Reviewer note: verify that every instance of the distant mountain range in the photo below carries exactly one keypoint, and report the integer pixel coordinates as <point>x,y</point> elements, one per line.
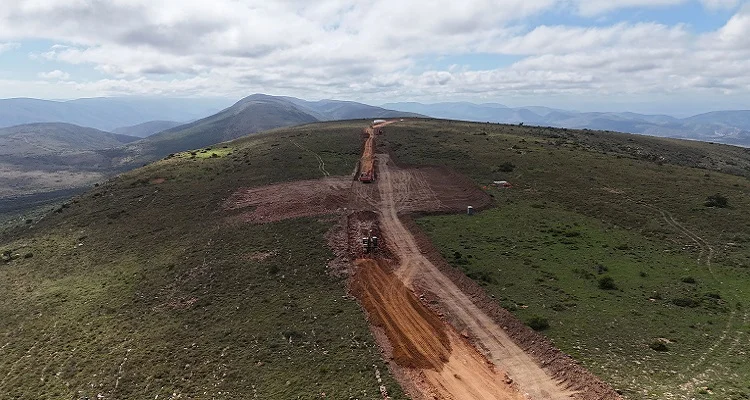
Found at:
<point>56,138</point>
<point>255,113</point>
<point>43,157</point>
<point>729,127</point>
<point>146,129</point>
<point>106,114</point>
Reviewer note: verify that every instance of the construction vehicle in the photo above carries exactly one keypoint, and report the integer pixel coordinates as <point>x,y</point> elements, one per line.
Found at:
<point>369,242</point>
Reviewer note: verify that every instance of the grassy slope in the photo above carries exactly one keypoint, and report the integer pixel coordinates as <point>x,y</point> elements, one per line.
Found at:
<point>138,289</point>
<point>573,217</point>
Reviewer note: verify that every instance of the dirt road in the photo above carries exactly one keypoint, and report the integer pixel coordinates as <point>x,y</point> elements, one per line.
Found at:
<point>455,348</point>
<point>415,270</point>
<point>450,367</point>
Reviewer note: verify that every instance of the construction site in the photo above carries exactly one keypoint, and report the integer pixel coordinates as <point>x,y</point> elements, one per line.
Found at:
<point>442,336</point>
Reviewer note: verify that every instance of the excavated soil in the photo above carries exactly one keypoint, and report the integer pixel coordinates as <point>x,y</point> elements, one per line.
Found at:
<point>449,366</point>
<point>495,356</point>
<point>418,337</point>
<point>583,384</point>
<point>423,190</point>
<point>291,200</point>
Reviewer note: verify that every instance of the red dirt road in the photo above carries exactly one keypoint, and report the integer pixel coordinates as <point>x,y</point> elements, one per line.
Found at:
<point>450,367</point>
<point>414,268</point>
<point>430,358</point>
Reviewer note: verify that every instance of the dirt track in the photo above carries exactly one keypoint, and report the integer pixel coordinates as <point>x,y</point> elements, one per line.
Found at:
<point>430,358</point>
<point>451,368</point>
<point>416,271</point>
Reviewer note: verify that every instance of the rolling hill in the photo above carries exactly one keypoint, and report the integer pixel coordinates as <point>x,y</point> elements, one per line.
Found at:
<point>56,138</point>
<point>255,113</point>
<point>604,242</point>
<point>146,129</point>
<point>729,127</point>
<point>48,161</point>
<point>60,166</point>
<point>336,110</point>
<point>106,113</point>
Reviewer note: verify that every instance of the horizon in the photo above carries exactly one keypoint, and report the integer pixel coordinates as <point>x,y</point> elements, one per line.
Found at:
<point>673,57</point>
<point>231,101</point>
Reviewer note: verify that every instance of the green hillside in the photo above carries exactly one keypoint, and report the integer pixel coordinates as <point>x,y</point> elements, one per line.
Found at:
<point>589,206</point>
<point>145,286</point>
<point>139,288</point>
<point>56,138</point>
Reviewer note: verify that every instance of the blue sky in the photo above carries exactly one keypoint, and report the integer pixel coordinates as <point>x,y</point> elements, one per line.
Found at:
<point>663,56</point>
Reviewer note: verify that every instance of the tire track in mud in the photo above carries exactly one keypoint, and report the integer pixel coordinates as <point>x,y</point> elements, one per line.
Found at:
<point>497,346</point>
<point>695,375</point>
<point>321,163</point>
<point>450,367</point>
<point>483,361</point>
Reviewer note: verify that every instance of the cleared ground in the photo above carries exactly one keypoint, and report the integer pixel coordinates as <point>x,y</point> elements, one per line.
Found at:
<point>417,271</point>
<point>587,206</point>
<point>261,308</point>
<point>437,360</point>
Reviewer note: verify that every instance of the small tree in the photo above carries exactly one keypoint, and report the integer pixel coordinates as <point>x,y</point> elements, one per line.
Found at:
<point>717,200</point>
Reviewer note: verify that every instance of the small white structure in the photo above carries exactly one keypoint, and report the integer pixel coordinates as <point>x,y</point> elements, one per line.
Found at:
<point>378,121</point>
<point>469,210</point>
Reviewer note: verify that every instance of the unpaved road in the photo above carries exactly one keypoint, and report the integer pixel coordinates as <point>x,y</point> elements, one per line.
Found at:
<point>429,356</point>
<point>450,367</point>
<point>413,267</point>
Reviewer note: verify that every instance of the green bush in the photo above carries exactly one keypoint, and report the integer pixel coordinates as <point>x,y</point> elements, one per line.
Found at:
<point>685,302</point>
<point>538,323</point>
<point>658,345</point>
<point>607,283</point>
<point>505,167</point>
<point>717,200</point>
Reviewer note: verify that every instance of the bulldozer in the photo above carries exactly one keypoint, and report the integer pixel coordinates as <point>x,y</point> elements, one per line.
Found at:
<point>369,242</point>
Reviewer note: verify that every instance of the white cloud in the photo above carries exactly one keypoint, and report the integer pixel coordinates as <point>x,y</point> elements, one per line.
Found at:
<point>8,46</point>
<point>597,7</point>
<point>54,75</point>
<point>369,50</point>
<point>720,4</point>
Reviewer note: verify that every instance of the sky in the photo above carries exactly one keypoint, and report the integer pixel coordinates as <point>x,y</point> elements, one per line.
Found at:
<point>677,57</point>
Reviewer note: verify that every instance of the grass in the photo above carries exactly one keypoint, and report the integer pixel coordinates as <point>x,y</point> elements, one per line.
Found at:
<point>580,240</point>
<point>607,292</point>
<point>142,288</point>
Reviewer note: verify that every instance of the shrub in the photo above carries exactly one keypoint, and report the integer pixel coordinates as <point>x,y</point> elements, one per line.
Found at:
<point>607,283</point>
<point>717,200</point>
<point>538,323</point>
<point>658,345</point>
<point>685,302</point>
<point>688,279</point>
<point>505,167</point>
<point>482,276</point>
